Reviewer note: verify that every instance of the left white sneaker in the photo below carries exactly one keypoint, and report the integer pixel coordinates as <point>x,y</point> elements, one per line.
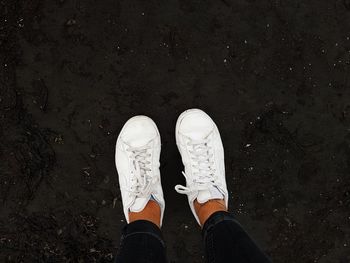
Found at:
<point>137,161</point>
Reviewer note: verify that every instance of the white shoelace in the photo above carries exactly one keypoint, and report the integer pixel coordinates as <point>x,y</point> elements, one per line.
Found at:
<point>203,172</point>
<point>141,181</point>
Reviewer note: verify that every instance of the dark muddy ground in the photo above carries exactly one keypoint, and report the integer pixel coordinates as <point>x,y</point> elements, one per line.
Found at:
<point>273,74</point>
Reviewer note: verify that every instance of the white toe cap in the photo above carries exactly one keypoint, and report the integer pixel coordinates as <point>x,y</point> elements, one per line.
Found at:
<point>138,131</point>
<point>195,124</point>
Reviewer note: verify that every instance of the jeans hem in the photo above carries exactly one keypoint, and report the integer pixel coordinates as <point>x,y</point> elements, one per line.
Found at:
<point>143,227</point>
<point>216,218</point>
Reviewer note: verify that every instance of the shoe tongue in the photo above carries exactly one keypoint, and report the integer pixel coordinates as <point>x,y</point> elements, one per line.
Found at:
<point>206,195</point>
<point>203,196</point>
<point>139,204</point>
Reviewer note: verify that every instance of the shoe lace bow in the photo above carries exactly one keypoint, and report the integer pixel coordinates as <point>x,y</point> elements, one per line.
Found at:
<point>203,170</point>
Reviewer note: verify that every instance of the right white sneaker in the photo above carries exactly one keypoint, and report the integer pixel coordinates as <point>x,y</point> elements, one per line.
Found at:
<point>199,143</point>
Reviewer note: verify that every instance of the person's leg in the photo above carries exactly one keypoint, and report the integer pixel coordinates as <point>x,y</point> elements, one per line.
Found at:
<point>137,162</point>
<point>142,239</point>
<point>202,153</point>
<point>226,241</point>
<point>224,238</point>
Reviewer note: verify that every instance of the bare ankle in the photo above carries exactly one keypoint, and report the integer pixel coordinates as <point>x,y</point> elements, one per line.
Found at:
<point>205,210</point>
<point>151,213</point>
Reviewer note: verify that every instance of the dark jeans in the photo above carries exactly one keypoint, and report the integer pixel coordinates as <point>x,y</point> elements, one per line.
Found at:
<point>224,239</point>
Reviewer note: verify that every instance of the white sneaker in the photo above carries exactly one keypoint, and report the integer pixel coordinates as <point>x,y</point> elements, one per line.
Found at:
<point>199,142</point>
<point>137,161</point>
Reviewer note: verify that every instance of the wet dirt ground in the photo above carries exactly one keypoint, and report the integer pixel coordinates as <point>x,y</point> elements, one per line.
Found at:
<point>274,75</point>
